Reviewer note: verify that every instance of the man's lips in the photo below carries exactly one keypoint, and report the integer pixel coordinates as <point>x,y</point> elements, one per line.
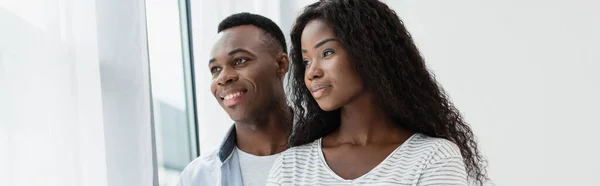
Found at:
<point>232,96</point>
<point>232,93</point>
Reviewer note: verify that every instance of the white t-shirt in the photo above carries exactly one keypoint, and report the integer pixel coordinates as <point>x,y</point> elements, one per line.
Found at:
<point>420,160</point>
<point>255,169</point>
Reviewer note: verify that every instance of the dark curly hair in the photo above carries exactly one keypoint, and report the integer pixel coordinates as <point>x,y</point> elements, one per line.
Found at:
<point>386,58</point>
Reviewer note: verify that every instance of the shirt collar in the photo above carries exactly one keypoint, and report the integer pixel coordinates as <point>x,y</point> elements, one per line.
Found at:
<point>228,144</point>
<point>230,141</point>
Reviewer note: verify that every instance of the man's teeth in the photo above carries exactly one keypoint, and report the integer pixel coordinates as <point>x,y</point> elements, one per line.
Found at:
<point>233,95</point>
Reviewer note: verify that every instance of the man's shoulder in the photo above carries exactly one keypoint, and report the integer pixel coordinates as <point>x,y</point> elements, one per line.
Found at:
<point>200,169</point>
<point>204,161</point>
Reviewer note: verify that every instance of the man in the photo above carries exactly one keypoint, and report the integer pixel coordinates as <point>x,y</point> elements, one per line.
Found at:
<point>248,62</point>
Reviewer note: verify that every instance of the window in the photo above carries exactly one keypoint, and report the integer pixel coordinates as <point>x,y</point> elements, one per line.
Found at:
<point>172,91</point>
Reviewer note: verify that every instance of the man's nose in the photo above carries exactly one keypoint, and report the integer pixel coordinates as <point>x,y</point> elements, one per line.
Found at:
<point>227,77</point>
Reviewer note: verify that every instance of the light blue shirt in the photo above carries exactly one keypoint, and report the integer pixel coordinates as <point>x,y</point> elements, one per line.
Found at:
<point>221,167</point>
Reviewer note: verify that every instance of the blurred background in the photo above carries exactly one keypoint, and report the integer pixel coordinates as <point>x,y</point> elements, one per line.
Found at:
<point>116,92</point>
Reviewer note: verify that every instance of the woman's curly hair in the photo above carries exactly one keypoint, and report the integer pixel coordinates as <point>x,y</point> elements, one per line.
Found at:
<point>392,69</point>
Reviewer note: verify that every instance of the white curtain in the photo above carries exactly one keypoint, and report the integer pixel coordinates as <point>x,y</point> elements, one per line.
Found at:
<point>51,119</point>
<point>74,108</point>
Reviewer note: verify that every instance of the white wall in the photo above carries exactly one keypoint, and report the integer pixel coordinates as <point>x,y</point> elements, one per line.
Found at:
<point>525,76</point>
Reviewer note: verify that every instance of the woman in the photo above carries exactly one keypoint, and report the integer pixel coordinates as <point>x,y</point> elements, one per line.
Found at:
<point>368,111</point>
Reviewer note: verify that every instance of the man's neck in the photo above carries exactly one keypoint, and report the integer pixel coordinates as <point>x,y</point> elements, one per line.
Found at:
<point>265,135</point>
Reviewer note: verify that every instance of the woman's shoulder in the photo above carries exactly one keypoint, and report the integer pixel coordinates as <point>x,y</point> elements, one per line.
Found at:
<point>290,158</point>
<point>303,150</point>
<point>440,147</point>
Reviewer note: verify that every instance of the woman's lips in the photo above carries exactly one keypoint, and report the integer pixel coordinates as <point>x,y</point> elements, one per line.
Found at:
<point>319,90</point>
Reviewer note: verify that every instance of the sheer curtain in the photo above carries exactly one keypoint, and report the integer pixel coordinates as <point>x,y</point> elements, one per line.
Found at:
<point>74,94</point>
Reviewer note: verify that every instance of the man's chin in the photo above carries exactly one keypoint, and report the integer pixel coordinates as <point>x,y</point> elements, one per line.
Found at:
<point>238,115</point>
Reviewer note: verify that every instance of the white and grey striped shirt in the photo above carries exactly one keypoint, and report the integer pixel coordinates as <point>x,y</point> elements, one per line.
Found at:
<point>420,160</point>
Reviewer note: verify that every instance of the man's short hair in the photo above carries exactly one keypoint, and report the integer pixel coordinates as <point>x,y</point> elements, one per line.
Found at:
<point>270,28</point>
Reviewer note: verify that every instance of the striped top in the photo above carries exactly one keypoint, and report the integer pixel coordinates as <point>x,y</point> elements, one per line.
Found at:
<point>420,160</point>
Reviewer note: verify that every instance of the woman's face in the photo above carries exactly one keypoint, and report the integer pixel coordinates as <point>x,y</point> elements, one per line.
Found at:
<point>329,75</point>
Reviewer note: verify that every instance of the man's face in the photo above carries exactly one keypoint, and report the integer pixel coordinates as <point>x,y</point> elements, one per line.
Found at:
<point>246,74</point>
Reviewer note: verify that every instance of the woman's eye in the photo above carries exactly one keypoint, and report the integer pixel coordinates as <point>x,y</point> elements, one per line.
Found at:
<point>306,62</point>
<point>327,53</point>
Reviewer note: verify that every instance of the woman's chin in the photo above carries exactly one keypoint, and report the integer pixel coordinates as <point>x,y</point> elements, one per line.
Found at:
<point>327,107</point>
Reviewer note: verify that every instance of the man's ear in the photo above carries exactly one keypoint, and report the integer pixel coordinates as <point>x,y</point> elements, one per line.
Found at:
<point>283,64</point>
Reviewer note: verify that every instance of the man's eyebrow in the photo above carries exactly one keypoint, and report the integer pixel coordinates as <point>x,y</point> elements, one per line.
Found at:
<point>234,51</point>
<point>238,50</point>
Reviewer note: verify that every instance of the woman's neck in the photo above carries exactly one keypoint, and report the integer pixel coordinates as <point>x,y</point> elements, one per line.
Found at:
<point>363,122</point>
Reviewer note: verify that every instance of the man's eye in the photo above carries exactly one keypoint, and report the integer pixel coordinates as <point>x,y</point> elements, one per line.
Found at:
<point>215,69</point>
<point>240,61</point>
